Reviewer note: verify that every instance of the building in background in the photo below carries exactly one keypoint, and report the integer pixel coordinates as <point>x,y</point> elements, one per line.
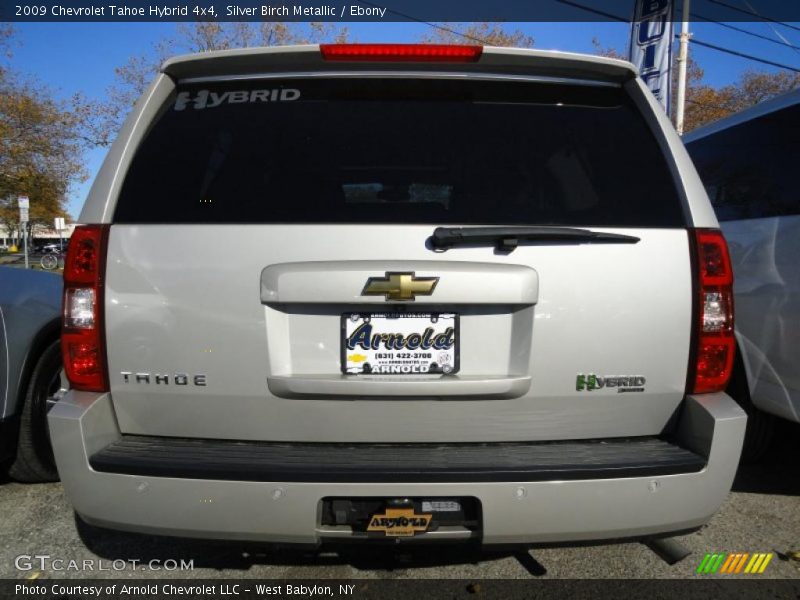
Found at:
<point>41,236</point>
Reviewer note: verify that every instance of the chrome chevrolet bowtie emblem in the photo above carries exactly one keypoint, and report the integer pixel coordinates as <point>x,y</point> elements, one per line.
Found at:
<point>400,286</point>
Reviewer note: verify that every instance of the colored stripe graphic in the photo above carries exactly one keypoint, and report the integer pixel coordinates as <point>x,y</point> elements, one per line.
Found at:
<point>703,563</point>
<point>711,562</point>
<point>718,564</point>
<point>754,563</point>
<point>759,563</point>
<point>728,564</point>
<point>740,563</point>
<point>721,562</point>
<point>765,563</point>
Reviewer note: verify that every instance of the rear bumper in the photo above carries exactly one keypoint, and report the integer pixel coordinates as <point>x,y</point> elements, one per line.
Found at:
<point>515,510</point>
<point>394,463</point>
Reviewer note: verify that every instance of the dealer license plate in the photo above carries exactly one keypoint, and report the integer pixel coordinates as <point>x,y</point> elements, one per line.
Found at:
<point>399,343</point>
<point>399,522</point>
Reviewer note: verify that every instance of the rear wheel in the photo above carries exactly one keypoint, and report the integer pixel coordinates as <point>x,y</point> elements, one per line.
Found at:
<point>760,425</point>
<point>34,459</point>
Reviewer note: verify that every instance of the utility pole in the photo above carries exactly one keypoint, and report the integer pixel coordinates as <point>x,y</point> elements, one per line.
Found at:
<point>683,58</point>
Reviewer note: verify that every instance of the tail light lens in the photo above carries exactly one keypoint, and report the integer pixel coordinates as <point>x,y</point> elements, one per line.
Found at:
<point>82,345</point>
<point>715,340</point>
<point>401,52</point>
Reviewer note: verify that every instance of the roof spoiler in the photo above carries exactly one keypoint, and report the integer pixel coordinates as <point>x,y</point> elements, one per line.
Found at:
<point>252,62</point>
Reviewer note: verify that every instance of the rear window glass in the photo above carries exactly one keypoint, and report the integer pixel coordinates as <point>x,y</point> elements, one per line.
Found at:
<point>400,151</point>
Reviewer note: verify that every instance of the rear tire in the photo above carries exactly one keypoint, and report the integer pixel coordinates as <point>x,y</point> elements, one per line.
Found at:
<point>760,425</point>
<point>34,460</point>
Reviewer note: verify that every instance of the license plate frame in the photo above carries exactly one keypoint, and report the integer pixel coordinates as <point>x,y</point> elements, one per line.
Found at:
<point>404,356</point>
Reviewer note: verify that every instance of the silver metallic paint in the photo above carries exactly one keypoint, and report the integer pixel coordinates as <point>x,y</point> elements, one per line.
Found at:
<point>172,298</point>
<point>766,288</point>
<point>551,511</point>
<point>29,302</point>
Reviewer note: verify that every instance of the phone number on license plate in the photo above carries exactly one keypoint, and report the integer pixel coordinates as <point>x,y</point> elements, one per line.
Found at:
<point>399,343</point>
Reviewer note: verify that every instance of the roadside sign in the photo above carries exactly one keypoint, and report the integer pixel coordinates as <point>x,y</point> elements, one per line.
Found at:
<point>24,205</point>
<point>60,227</point>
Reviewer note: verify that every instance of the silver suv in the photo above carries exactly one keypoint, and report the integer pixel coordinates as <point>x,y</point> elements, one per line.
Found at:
<point>408,292</point>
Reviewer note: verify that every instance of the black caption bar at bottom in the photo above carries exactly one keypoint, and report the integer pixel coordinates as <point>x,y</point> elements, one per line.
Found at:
<point>252,589</point>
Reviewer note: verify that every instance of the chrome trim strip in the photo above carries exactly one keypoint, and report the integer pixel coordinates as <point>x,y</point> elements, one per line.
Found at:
<point>402,75</point>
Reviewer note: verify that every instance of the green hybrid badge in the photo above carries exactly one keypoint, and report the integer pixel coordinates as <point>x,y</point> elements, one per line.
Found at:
<point>627,383</point>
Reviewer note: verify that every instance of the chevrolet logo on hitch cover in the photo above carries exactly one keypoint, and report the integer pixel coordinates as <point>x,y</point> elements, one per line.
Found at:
<point>400,286</point>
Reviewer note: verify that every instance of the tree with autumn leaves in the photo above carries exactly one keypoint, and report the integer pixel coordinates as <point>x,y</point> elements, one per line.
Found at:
<point>43,140</point>
<point>706,104</point>
<point>41,148</point>
<point>703,102</point>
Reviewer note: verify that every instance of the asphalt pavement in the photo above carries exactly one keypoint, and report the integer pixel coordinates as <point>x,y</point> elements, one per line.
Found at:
<point>762,514</point>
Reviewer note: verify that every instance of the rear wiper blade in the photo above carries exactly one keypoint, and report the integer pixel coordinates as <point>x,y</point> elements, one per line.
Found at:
<point>508,238</point>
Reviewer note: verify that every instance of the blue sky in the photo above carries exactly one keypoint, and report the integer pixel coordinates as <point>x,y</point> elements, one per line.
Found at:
<point>71,57</point>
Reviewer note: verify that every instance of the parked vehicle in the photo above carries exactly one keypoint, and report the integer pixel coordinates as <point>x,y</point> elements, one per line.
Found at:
<point>747,163</point>
<point>467,293</point>
<point>42,248</point>
<point>30,370</point>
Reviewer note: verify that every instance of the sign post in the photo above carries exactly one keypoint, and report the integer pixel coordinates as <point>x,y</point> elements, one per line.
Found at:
<point>683,58</point>
<point>24,205</point>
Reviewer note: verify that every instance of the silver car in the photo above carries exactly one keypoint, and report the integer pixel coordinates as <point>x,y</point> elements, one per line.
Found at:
<point>30,370</point>
<point>398,292</point>
<point>748,163</point>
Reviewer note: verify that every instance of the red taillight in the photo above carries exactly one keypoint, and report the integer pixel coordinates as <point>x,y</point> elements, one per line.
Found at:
<point>401,52</point>
<point>82,346</point>
<point>715,340</point>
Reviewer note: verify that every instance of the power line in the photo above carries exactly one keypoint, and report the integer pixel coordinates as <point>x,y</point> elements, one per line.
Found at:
<point>745,31</point>
<point>696,41</point>
<point>775,31</point>
<point>739,29</point>
<point>743,55</point>
<point>429,24</point>
<point>594,11</point>
<point>753,14</point>
<point>466,36</point>
<point>618,18</point>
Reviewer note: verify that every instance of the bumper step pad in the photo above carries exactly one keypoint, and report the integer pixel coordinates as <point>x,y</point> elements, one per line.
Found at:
<point>379,463</point>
